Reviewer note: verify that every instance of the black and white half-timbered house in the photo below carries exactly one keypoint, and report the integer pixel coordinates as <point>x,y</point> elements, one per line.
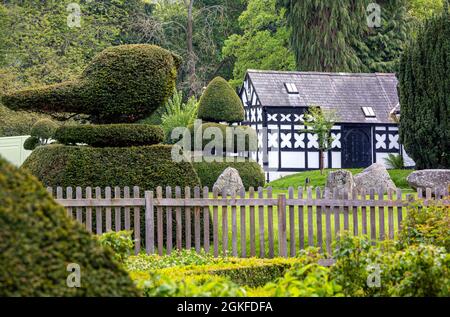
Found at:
<point>364,104</point>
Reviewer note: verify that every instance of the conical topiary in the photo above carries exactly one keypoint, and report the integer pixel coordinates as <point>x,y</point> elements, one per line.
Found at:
<point>220,103</point>
<point>38,241</point>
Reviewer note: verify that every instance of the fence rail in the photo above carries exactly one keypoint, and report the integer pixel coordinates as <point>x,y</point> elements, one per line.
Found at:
<point>247,224</point>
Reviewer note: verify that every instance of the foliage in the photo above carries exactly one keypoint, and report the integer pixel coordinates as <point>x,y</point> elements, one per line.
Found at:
<point>186,265</point>
<point>121,243</point>
<point>15,123</point>
<point>191,286</point>
<point>317,179</point>
<point>263,43</point>
<point>44,130</point>
<point>250,172</point>
<point>428,225</point>
<point>57,165</point>
<point>216,138</point>
<point>425,95</point>
<point>334,36</point>
<point>310,280</point>
<point>177,114</point>
<point>113,88</point>
<point>43,49</point>
<point>38,241</point>
<point>220,103</point>
<point>415,270</point>
<point>395,161</point>
<point>213,21</point>
<point>110,135</point>
<point>31,143</point>
<point>144,262</point>
<point>320,122</point>
<point>421,10</point>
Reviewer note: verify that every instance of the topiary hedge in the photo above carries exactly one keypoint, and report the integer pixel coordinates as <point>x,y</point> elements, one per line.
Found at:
<point>239,132</point>
<point>220,103</point>
<point>145,166</point>
<point>38,241</point>
<point>123,83</point>
<point>251,172</point>
<point>113,135</point>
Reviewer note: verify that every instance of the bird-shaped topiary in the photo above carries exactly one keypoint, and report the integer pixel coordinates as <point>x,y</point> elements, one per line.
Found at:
<point>123,83</point>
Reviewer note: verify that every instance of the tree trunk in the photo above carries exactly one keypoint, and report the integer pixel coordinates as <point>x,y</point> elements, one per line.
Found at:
<point>190,48</point>
<point>321,161</point>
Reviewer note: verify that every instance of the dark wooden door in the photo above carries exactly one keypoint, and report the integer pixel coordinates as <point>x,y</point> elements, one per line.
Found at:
<point>356,147</point>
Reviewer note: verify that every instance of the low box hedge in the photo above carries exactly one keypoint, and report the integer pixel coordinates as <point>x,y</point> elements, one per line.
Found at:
<point>251,172</point>
<point>110,135</point>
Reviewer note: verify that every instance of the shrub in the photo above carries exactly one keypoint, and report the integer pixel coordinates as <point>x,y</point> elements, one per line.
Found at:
<point>395,161</point>
<point>44,129</point>
<point>110,135</point>
<point>192,286</point>
<point>38,241</point>
<point>15,123</point>
<point>425,94</point>
<point>417,270</point>
<point>123,83</point>
<point>429,225</point>
<point>239,133</point>
<point>145,166</point>
<point>249,272</point>
<point>220,103</point>
<point>121,243</point>
<point>310,280</point>
<point>177,114</point>
<point>251,172</point>
<point>31,143</point>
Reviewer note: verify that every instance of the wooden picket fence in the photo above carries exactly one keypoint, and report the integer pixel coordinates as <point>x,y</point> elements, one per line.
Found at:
<point>256,223</point>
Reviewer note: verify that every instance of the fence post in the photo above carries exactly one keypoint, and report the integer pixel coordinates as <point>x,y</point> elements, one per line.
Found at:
<point>282,237</point>
<point>149,223</point>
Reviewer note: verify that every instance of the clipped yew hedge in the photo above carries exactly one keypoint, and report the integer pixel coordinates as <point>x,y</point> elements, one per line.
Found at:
<point>110,135</point>
<point>38,241</point>
<point>123,83</point>
<point>220,103</point>
<point>251,172</point>
<point>209,130</point>
<point>145,166</point>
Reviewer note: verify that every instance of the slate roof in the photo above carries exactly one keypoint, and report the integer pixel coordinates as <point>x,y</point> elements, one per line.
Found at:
<point>344,92</point>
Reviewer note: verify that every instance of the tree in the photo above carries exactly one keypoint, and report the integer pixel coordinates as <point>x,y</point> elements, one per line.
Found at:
<point>194,29</point>
<point>334,36</point>
<point>264,43</point>
<point>320,122</point>
<point>425,94</point>
<point>47,49</point>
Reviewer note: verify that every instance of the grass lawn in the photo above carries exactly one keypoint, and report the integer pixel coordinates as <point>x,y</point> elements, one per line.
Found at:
<point>316,179</point>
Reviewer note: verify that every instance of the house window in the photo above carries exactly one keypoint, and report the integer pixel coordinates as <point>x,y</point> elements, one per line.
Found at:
<point>368,112</point>
<point>291,88</point>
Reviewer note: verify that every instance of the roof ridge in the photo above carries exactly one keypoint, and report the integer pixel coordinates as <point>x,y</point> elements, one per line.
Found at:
<point>320,73</point>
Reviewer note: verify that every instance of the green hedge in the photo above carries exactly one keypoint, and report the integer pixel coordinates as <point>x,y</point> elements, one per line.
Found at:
<point>38,241</point>
<point>145,166</point>
<point>15,123</point>
<point>112,135</point>
<point>123,83</point>
<point>220,103</point>
<point>251,172</point>
<point>239,132</point>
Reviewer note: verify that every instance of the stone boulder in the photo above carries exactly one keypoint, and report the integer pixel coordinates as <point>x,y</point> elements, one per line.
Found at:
<point>430,179</point>
<point>375,176</point>
<point>340,180</point>
<point>229,180</point>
